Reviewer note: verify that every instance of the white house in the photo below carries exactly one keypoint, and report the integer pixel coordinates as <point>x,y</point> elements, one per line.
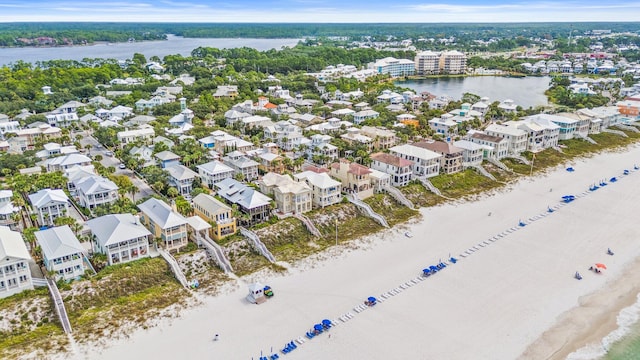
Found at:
<point>241,164</point>
<point>121,112</point>
<point>400,170</point>
<point>61,163</point>
<point>7,209</point>
<point>325,191</point>
<point>62,253</point>
<point>494,147</point>
<point>49,204</point>
<point>181,177</point>
<point>62,119</point>
<point>213,172</point>
<point>95,190</point>
<point>145,135</point>
<point>15,275</point>
<point>472,153</point>
<point>542,131</point>
<point>516,138</point>
<point>426,163</point>
<point>164,223</point>
<point>121,237</point>
<point>444,125</point>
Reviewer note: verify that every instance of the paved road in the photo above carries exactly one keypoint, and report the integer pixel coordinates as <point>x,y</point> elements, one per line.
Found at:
<point>144,190</point>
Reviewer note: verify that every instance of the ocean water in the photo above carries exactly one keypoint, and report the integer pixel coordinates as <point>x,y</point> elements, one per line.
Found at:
<point>621,344</point>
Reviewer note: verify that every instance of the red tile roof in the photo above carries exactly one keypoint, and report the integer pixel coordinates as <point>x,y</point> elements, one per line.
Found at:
<point>391,160</point>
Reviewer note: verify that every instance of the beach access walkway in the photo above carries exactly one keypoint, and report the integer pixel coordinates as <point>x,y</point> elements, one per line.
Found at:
<point>388,295</point>
<point>254,241</point>
<point>367,210</point>
<point>61,311</point>
<point>175,268</point>
<point>215,252</point>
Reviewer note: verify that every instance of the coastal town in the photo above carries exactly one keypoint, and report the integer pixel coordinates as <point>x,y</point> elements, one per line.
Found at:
<point>198,175</point>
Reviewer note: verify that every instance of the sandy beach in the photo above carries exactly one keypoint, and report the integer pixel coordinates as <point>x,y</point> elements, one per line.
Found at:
<point>514,298</point>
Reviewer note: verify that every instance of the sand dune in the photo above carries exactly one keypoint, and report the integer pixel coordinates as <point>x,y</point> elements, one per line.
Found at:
<point>490,305</point>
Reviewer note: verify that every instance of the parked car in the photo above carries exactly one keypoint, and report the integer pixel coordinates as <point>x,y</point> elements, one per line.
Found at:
<point>109,153</point>
<point>122,166</point>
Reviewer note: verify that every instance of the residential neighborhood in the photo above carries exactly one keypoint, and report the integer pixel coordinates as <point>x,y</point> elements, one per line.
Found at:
<point>217,172</point>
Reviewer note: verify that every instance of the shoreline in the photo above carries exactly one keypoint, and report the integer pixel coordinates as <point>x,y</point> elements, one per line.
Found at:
<point>588,324</point>
<point>327,285</point>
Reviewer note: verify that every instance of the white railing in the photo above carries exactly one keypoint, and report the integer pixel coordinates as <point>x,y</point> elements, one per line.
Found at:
<point>217,254</point>
<point>308,224</point>
<point>368,210</point>
<point>59,305</point>
<point>399,196</point>
<point>175,268</point>
<point>257,244</point>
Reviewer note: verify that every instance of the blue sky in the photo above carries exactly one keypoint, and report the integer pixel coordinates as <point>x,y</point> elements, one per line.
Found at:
<point>319,10</point>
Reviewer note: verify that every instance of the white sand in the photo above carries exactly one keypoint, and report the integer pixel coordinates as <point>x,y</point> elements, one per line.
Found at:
<point>491,305</point>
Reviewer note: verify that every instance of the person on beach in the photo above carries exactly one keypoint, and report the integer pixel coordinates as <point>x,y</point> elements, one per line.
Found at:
<point>215,338</point>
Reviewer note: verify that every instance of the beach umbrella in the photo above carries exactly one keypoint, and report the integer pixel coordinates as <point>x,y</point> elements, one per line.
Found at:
<point>371,299</point>
<point>317,327</point>
<point>326,322</point>
<point>601,266</point>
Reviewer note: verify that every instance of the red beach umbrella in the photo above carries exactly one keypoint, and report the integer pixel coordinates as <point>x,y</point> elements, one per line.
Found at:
<point>601,266</point>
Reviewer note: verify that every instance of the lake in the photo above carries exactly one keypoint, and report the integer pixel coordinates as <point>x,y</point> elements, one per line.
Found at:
<point>526,92</point>
<point>121,51</point>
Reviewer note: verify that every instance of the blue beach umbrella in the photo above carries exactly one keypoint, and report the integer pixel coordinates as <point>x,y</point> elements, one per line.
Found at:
<point>317,327</point>
<point>371,299</point>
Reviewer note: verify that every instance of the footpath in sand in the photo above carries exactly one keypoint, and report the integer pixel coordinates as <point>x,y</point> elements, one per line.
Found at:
<point>490,305</point>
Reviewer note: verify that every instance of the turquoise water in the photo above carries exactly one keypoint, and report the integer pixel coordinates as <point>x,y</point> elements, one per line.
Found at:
<point>627,348</point>
<point>623,343</point>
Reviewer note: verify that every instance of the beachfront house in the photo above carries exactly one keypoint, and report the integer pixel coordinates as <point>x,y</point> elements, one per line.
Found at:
<point>542,131</point>
<point>62,253</point>
<point>325,191</point>
<point>451,156</point>
<point>164,223</point>
<point>216,213</point>
<point>583,123</point>
<point>49,204</point>
<point>472,153</point>
<point>426,163</point>
<point>400,170</point>
<point>516,138</point>
<point>121,237</point>
<point>255,205</point>
<point>355,178</point>
<point>15,275</point>
<point>493,147</point>
<point>291,197</point>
